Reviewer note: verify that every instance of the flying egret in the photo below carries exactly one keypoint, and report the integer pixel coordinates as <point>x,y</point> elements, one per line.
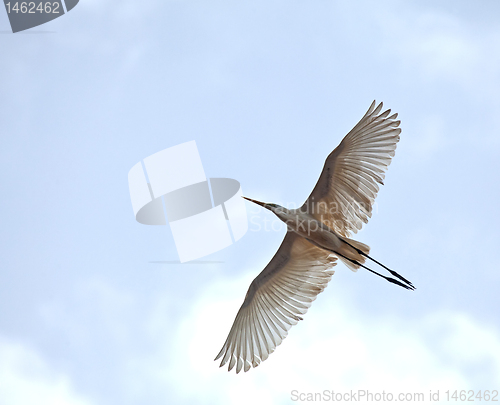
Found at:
<point>317,234</point>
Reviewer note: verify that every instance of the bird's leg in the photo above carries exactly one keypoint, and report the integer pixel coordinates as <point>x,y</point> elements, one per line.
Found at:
<point>389,279</point>
<point>395,274</point>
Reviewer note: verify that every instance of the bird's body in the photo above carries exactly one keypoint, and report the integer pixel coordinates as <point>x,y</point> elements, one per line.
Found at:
<point>317,235</point>
<point>320,235</point>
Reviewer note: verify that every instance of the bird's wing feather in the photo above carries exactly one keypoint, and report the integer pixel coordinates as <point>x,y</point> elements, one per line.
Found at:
<point>275,301</point>
<point>344,194</point>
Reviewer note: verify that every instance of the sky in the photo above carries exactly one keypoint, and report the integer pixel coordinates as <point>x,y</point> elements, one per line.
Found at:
<point>266,89</point>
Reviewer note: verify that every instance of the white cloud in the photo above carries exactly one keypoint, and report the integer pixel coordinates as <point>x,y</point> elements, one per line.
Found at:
<point>26,378</point>
<point>335,348</point>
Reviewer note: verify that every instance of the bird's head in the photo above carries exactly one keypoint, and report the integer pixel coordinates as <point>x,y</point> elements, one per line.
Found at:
<point>277,209</point>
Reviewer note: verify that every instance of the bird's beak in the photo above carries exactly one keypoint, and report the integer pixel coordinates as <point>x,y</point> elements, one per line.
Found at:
<point>256,202</point>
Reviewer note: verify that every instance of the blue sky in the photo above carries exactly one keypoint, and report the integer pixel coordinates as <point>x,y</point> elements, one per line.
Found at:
<point>267,90</point>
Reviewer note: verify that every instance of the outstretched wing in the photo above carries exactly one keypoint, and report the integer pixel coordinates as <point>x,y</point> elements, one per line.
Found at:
<point>345,192</point>
<point>275,301</point>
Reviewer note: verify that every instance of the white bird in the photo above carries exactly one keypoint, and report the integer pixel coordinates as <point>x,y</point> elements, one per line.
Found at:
<point>317,234</point>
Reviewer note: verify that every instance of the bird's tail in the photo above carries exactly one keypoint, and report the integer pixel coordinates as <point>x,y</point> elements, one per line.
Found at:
<point>354,263</point>
<point>348,253</point>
